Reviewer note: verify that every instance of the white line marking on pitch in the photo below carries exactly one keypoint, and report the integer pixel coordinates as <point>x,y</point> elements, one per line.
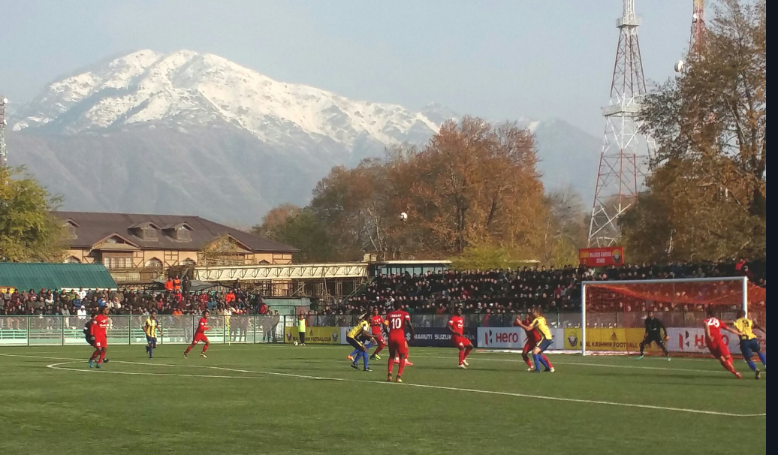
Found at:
<point>588,364</point>
<point>58,366</point>
<point>426,386</point>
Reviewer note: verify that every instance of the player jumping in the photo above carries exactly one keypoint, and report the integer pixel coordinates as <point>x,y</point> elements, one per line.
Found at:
<point>200,335</point>
<point>533,337</point>
<point>151,327</point>
<point>398,321</point>
<point>99,332</point>
<point>749,344</point>
<point>654,328</point>
<point>546,340</point>
<point>456,325</point>
<point>716,344</point>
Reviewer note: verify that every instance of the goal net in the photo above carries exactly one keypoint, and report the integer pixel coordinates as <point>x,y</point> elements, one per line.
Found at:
<point>613,313</point>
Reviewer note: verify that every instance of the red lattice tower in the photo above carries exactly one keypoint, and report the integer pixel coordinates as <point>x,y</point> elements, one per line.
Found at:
<point>697,39</point>
<point>625,153</point>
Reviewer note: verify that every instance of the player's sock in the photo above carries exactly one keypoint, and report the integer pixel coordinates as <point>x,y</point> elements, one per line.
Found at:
<point>526,360</point>
<point>205,348</point>
<point>94,355</point>
<point>763,359</point>
<point>537,361</point>
<point>546,361</point>
<point>468,350</point>
<point>365,358</point>
<point>391,365</point>
<point>751,364</point>
<point>380,348</point>
<point>357,357</point>
<point>727,364</point>
<point>402,367</point>
<point>642,349</point>
<point>102,357</point>
<point>461,356</point>
<point>189,348</point>
<point>355,353</point>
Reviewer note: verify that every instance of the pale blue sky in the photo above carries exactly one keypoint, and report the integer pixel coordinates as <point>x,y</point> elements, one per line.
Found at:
<point>497,59</point>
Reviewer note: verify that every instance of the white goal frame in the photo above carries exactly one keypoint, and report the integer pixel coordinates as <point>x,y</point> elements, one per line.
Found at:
<point>742,279</point>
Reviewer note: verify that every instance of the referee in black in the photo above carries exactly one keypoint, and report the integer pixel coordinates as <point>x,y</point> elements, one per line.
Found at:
<point>654,328</point>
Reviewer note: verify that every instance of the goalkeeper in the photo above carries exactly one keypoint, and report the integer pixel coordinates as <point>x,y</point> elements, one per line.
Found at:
<point>654,328</point>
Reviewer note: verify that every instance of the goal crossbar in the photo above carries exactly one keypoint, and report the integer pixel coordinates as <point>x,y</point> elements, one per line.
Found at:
<point>585,284</point>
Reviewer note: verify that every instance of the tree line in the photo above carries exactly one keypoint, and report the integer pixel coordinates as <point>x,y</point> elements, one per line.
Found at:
<point>472,192</point>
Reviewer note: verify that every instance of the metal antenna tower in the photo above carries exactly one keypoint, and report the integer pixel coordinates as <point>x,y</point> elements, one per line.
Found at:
<point>697,40</point>
<point>3,122</point>
<point>624,158</point>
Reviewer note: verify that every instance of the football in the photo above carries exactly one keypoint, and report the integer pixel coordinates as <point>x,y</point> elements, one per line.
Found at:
<point>403,216</point>
<point>295,342</point>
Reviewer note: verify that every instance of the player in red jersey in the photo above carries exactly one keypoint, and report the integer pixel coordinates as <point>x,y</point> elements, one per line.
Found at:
<point>456,325</point>
<point>716,344</point>
<point>533,336</point>
<point>377,324</point>
<point>200,335</point>
<point>99,330</point>
<point>398,321</point>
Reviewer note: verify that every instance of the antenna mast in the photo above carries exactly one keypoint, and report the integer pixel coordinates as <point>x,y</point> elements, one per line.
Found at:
<point>3,123</point>
<point>624,159</point>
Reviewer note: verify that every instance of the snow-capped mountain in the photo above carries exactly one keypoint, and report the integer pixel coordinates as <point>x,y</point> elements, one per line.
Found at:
<point>189,88</point>
<point>194,133</point>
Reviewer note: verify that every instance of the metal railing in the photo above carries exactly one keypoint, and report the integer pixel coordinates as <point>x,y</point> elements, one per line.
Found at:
<point>124,329</point>
<point>39,330</point>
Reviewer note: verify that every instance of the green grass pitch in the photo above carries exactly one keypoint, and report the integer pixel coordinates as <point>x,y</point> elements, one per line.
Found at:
<point>306,400</point>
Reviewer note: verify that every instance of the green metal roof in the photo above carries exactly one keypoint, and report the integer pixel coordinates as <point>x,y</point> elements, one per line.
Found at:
<point>25,276</point>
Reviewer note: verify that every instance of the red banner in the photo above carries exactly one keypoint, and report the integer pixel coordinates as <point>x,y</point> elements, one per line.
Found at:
<point>600,257</point>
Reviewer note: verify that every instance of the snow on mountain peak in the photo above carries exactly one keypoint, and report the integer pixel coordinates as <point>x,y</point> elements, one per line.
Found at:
<point>188,87</point>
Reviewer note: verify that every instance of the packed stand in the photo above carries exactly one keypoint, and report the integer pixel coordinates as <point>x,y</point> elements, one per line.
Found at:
<point>500,292</point>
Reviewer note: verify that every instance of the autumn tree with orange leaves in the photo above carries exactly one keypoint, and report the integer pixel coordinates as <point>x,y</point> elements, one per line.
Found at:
<point>473,184</point>
<point>707,195</point>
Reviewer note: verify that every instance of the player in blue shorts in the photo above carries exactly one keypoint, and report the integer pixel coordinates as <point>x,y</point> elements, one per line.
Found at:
<point>749,343</point>
<point>151,327</point>
<point>547,339</point>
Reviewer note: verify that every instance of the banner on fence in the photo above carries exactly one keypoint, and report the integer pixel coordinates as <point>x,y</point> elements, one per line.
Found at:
<point>314,335</point>
<point>692,339</point>
<point>601,257</point>
<point>439,337</point>
<point>625,340</point>
<point>511,338</point>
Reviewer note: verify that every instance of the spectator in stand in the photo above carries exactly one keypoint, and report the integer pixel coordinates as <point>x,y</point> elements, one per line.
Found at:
<point>187,284</point>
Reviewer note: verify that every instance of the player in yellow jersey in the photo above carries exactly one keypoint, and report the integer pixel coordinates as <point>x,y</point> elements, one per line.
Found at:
<point>355,337</point>
<point>749,344</point>
<point>540,325</point>
<point>151,327</point>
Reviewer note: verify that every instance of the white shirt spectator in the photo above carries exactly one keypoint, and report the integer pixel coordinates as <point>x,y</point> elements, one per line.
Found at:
<point>81,313</point>
<point>81,294</point>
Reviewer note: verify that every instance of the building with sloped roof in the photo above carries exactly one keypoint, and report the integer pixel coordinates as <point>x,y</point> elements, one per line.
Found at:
<point>139,248</point>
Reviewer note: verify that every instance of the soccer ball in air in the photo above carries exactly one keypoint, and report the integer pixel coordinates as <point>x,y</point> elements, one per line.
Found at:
<point>679,66</point>
<point>295,342</point>
<point>403,216</point>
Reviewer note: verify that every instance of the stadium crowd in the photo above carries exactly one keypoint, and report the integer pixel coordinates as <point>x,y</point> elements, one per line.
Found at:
<point>132,302</point>
<point>486,292</point>
<point>496,292</point>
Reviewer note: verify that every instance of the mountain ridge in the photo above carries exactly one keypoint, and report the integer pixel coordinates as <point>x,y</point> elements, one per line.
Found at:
<point>94,135</point>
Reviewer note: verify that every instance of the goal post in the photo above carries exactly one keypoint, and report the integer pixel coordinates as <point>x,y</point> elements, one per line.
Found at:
<point>617,309</point>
